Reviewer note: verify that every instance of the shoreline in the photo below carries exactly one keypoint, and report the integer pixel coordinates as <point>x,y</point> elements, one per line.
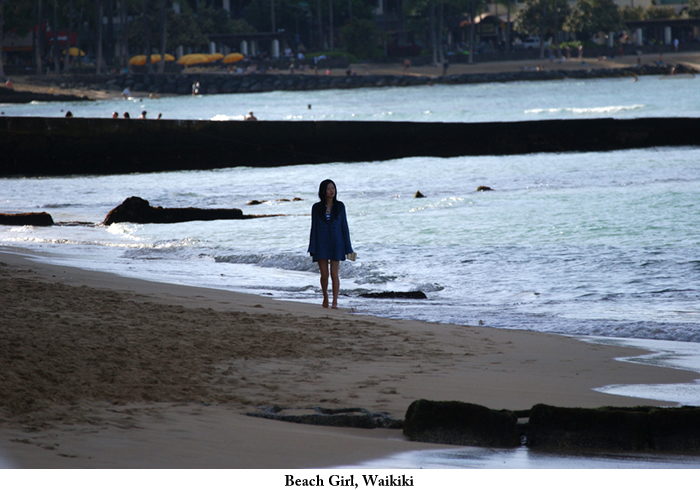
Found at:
<point>484,72</point>
<point>167,370</point>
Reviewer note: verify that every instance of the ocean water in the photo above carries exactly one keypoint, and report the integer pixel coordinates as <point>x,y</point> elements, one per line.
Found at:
<point>657,96</point>
<point>601,244</point>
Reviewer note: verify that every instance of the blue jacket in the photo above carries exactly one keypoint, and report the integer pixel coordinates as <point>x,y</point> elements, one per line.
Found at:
<point>329,240</point>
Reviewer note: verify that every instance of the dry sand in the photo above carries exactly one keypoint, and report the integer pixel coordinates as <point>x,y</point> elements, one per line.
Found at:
<point>31,84</point>
<point>101,371</point>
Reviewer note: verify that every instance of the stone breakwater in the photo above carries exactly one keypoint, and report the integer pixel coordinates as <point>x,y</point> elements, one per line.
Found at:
<point>222,83</point>
<point>65,146</point>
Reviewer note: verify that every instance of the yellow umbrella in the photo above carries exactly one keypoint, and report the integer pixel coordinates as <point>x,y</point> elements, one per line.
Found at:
<point>139,60</point>
<point>75,51</point>
<point>215,56</point>
<point>193,59</point>
<point>232,58</point>
<point>155,58</point>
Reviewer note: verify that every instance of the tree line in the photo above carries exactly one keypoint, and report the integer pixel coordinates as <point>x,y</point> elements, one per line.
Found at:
<point>114,30</point>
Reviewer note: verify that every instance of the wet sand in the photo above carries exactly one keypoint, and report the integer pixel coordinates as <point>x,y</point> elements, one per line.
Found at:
<point>101,371</point>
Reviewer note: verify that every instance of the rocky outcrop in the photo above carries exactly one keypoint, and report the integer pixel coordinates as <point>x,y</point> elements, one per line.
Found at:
<point>342,417</point>
<point>549,428</point>
<point>461,424</point>
<point>223,83</point>
<point>138,210</point>
<point>26,219</point>
<point>582,428</point>
<point>613,428</point>
<point>9,96</point>
<point>395,295</point>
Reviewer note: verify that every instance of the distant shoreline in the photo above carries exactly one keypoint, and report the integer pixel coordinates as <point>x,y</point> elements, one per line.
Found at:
<point>110,86</point>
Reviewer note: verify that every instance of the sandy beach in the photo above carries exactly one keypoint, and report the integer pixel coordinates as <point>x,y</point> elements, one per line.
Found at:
<point>31,83</point>
<point>101,371</point>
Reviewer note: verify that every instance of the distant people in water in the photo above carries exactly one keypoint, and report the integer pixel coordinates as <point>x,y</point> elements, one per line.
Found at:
<point>126,93</point>
<point>127,116</point>
<point>251,117</point>
<point>160,114</point>
<point>143,115</point>
<point>115,115</point>
<point>69,114</point>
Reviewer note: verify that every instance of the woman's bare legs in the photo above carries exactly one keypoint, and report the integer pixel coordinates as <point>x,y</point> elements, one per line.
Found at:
<point>323,268</point>
<point>335,265</point>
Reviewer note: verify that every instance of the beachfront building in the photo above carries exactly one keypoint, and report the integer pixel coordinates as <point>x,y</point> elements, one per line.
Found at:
<point>661,22</point>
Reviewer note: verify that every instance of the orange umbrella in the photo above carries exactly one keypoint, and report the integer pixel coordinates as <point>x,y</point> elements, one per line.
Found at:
<point>215,56</point>
<point>155,58</point>
<point>193,59</point>
<point>139,60</point>
<point>232,58</point>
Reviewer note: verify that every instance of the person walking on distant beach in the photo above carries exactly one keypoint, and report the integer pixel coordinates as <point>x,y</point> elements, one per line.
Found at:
<point>329,242</point>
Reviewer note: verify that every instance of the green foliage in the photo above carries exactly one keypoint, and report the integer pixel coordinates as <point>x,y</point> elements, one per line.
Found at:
<point>592,16</point>
<point>632,13</point>
<point>693,9</point>
<point>657,12</point>
<point>19,15</point>
<point>362,39</point>
<point>537,14</point>
<point>218,21</point>
<point>183,30</point>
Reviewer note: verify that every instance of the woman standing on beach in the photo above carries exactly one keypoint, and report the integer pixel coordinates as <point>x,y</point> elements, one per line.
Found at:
<point>330,238</point>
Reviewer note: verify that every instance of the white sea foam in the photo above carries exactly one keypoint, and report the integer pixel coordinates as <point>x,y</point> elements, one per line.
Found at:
<point>586,110</point>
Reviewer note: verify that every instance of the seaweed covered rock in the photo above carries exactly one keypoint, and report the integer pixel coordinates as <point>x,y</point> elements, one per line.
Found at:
<point>26,219</point>
<point>675,429</point>
<point>138,210</point>
<point>358,418</point>
<point>395,295</point>
<point>460,423</point>
<point>606,428</point>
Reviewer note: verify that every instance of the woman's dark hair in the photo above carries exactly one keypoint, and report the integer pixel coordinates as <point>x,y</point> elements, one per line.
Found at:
<point>322,191</point>
<point>322,197</point>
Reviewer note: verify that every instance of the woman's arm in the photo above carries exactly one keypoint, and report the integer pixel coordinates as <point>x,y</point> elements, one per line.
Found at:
<point>312,235</point>
<point>346,229</point>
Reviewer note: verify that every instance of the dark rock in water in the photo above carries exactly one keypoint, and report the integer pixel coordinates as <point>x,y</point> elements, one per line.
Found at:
<point>26,219</point>
<point>342,417</point>
<point>255,202</point>
<point>460,423</point>
<point>483,188</point>
<point>137,210</point>
<point>418,195</point>
<point>675,429</point>
<point>586,428</point>
<point>396,295</point>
